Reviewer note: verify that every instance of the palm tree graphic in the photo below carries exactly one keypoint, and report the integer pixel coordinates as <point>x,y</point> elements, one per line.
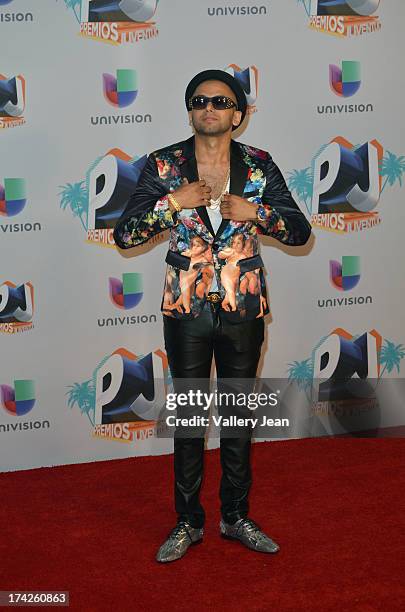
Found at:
<point>301,372</point>
<point>392,168</point>
<point>306,4</point>
<point>76,197</point>
<point>84,395</point>
<point>390,356</point>
<point>302,181</point>
<point>72,4</point>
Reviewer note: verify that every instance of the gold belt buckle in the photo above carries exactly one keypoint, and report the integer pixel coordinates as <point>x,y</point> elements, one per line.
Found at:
<point>214,298</point>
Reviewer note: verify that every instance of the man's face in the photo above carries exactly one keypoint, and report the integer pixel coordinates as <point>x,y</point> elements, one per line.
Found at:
<point>211,122</point>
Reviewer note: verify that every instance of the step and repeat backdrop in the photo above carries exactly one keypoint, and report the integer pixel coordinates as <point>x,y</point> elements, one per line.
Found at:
<point>87,89</point>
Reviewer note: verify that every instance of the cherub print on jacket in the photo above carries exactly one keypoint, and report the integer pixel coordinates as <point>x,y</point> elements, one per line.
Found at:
<point>200,255</point>
<point>240,288</point>
<point>196,252</point>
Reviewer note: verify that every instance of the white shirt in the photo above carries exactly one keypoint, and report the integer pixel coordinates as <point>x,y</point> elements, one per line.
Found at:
<point>216,220</point>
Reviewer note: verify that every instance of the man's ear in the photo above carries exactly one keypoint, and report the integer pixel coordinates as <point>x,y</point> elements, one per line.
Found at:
<point>237,118</point>
<point>190,118</point>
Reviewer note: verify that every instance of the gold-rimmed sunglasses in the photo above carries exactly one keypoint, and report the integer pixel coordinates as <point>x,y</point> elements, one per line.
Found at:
<point>218,102</point>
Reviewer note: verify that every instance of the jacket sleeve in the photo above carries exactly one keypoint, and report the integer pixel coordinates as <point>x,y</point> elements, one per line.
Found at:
<point>147,212</point>
<point>285,221</point>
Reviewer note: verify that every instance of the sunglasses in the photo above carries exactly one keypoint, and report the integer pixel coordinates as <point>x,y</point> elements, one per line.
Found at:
<point>218,102</point>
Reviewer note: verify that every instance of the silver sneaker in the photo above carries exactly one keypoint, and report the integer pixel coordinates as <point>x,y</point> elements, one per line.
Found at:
<point>178,541</point>
<point>246,531</point>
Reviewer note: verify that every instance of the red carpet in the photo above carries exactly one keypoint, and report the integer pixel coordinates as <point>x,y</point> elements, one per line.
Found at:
<point>336,506</point>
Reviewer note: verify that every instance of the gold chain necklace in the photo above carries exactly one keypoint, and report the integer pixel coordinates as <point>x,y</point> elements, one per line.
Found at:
<point>214,204</point>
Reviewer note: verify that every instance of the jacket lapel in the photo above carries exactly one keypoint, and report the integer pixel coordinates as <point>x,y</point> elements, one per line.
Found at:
<point>239,172</point>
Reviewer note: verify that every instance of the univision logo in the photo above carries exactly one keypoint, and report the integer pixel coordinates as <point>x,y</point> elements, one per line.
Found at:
<point>13,198</point>
<point>126,294</point>
<point>345,82</point>
<point>14,17</point>
<point>120,91</point>
<point>240,11</point>
<point>344,276</point>
<point>18,401</point>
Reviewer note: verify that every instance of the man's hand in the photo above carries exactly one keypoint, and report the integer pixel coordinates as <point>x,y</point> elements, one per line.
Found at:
<point>190,195</point>
<point>237,209</point>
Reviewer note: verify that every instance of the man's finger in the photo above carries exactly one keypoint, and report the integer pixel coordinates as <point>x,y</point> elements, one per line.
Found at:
<point>185,181</point>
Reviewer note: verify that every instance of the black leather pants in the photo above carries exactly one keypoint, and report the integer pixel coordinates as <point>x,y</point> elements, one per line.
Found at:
<point>190,346</point>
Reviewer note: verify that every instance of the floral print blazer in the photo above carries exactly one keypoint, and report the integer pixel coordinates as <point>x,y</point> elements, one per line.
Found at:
<point>196,252</point>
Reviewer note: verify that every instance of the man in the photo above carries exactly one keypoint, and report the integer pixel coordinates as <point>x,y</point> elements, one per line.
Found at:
<point>224,193</point>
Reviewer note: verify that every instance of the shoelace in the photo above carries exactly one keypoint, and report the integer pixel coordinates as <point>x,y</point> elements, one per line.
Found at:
<point>250,525</point>
<point>180,527</point>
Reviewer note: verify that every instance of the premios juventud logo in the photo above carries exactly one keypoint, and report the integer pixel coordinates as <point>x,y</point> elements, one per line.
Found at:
<point>115,21</point>
<point>248,79</point>
<point>16,307</point>
<point>99,200</point>
<point>12,101</point>
<point>342,375</point>
<point>342,17</point>
<point>342,187</point>
<point>123,398</point>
